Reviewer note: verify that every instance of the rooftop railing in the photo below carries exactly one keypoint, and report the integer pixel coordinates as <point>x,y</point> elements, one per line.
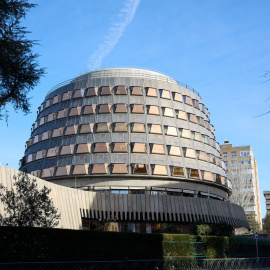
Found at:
<point>131,72</point>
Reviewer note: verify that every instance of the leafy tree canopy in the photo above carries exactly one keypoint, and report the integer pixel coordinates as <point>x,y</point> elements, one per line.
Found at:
<point>267,223</point>
<point>19,70</point>
<point>25,205</point>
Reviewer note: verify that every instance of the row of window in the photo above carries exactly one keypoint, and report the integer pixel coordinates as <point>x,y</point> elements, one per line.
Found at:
<point>121,168</point>
<point>123,108</point>
<point>121,147</point>
<point>234,154</point>
<point>123,90</point>
<point>123,127</point>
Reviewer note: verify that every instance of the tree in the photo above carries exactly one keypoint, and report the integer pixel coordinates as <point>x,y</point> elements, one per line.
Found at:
<point>19,70</point>
<point>204,229</point>
<point>254,225</point>
<point>267,223</point>
<point>242,193</point>
<point>25,205</point>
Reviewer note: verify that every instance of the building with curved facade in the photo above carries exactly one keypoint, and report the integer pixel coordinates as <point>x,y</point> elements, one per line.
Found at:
<point>134,136</point>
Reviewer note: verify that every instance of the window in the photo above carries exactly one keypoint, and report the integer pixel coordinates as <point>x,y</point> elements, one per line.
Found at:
<point>83,148</point>
<point>90,109</point>
<point>177,171</point>
<point>101,148</point>
<point>138,127</point>
<point>120,127</point>
<point>56,99</point>
<point>31,157</point>
<point>42,120</point>
<point>164,94</point>
<point>92,91</point>
<point>151,109</point>
<point>234,163</point>
<point>67,150</point>
<point>48,103</point>
<point>105,90</point>
<point>151,92</point>
<point>49,172</point>
<point>193,173</point>
<point>137,108</point>
<point>140,169</point>
<point>100,168</point>
<point>225,155</point>
<point>181,115</point>
<point>192,118</point>
<point>188,152</point>
<point>71,130</point>
<point>245,153</point>
<point>52,152</point>
<point>46,135</point>
<point>167,112</point>
<point>79,93</point>
<point>62,114</point>
<point>63,171</point>
<point>136,90</point>
<point>81,169</point>
<point>177,97</point>
<point>138,148</point>
<point>202,156</point>
<point>51,117</point>
<point>121,90</point>
<point>75,111</point>
<point>36,139</point>
<point>105,108</point>
<point>185,133</point>
<point>248,180</point>
<point>119,168</point>
<point>196,103</point>
<point>173,150</point>
<point>170,131</point>
<point>207,176</point>
<point>159,170</point>
<point>246,162</point>
<point>233,154</point>
<point>247,171</point>
<point>86,128</point>
<point>120,108</point>
<point>102,127</point>
<point>120,147</point>
<point>155,129</point>
<point>187,100</point>
<point>67,96</point>
<point>157,149</point>
<point>58,132</point>
<point>196,136</point>
<point>40,154</point>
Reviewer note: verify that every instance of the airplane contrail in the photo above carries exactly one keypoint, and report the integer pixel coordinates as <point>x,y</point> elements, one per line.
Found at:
<point>122,20</point>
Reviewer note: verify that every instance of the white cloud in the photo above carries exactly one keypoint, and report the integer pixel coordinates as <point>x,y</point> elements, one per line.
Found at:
<point>120,23</point>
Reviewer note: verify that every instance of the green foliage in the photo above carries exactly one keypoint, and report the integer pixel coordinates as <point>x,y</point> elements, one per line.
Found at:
<point>25,205</point>
<point>19,71</point>
<point>214,247</point>
<point>204,229</point>
<point>46,244</point>
<point>222,229</point>
<point>177,246</point>
<point>217,229</point>
<point>267,223</point>
<point>254,225</point>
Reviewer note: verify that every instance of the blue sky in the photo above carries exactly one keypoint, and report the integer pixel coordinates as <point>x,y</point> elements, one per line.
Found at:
<point>220,48</point>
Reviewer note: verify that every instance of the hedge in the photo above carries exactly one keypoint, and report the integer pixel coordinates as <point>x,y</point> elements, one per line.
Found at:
<point>41,244</point>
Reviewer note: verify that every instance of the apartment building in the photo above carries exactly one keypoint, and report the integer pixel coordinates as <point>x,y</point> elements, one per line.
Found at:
<point>242,170</point>
<point>267,201</point>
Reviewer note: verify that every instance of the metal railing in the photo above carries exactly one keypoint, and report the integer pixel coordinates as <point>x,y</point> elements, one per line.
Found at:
<point>84,75</point>
<point>203,264</point>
